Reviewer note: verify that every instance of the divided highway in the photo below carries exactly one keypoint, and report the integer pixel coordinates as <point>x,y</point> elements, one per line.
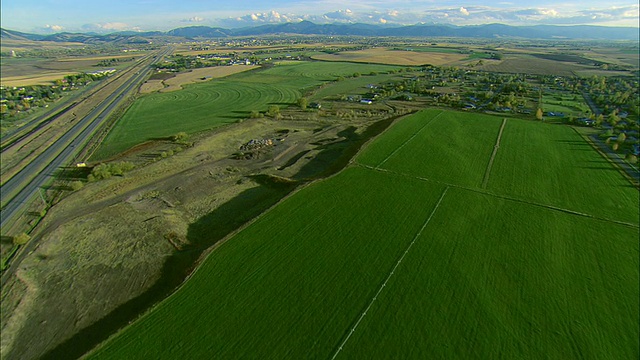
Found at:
<point>18,191</point>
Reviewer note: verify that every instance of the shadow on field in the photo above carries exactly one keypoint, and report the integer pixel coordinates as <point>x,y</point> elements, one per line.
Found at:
<point>336,155</point>
<point>598,168</point>
<point>201,235</point>
<point>72,172</point>
<point>281,103</point>
<point>240,114</point>
<point>213,227</point>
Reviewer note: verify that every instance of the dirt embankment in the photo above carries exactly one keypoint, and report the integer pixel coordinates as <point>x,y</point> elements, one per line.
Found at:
<point>110,250</point>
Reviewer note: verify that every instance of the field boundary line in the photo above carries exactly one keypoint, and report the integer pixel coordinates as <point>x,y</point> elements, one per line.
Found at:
<point>375,297</point>
<point>504,197</point>
<point>408,140</point>
<point>487,172</point>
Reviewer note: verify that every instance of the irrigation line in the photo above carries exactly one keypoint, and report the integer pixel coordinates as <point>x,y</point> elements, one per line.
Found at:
<point>487,172</point>
<point>375,297</point>
<point>504,197</point>
<point>408,140</point>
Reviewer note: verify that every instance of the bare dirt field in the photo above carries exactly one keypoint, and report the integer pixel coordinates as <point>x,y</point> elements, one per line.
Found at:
<point>393,57</point>
<point>108,251</point>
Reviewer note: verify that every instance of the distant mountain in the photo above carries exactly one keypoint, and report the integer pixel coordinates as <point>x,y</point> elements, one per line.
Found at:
<point>17,35</point>
<point>431,30</point>
<point>340,29</point>
<point>199,32</point>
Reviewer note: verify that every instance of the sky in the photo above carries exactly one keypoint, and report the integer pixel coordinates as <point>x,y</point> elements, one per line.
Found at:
<point>51,16</point>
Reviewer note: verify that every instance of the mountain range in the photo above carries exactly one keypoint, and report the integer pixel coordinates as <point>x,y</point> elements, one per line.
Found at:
<point>546,32</point>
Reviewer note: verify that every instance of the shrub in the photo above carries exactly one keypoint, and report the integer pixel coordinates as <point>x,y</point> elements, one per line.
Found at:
<point>274,111</point>
<point>180,137</point>
<point>21,239</point>
<point>76,185</point>
<point>622,137</point>
<point>303,102</point>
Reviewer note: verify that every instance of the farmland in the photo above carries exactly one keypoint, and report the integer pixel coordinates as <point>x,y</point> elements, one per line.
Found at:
<point>453,233</point>
<point>395,256</point>
<point>221,101</point>
<point>395,57</point>
<point>532,65</point>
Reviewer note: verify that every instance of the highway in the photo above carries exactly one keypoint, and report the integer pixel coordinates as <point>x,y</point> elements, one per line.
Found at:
<point>18,191</point>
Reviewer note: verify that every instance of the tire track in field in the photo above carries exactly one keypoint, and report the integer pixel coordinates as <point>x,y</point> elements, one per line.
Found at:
<point>504,197</point>
<point>408,140</point>
<point>487,172</point>
<point>375,297</point>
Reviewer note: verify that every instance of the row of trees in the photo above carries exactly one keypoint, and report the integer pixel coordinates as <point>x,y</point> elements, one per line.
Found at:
<point>15,100</point>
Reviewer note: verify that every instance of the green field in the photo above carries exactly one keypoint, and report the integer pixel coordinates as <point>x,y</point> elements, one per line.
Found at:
<point>205,106</point>
<point>396,258</point>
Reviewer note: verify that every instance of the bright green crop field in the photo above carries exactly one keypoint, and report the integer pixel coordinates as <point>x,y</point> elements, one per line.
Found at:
<point>395,258</point>
<point>205,106</point>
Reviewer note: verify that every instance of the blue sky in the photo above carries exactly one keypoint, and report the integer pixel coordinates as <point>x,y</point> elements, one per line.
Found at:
<point>47,16</point>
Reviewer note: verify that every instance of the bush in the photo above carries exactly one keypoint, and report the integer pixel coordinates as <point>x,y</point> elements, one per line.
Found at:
<point>274,111</point>
<point>256,114</point>
<point>303,102</point>
<point>101,171</point>
<point>180,137</point>
<point>105,171</point>
<point>21,239</point>
<point>76,185</point>
<point>622,137</point>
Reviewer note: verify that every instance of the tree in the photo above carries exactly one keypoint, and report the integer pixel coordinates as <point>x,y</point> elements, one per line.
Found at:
<point>273,111</point>
<point>303,102</point>
<point>76,185</point>
<point>539,114</point>
<point>179,137</point>
<point>21,239</point>
<point>622,137</point>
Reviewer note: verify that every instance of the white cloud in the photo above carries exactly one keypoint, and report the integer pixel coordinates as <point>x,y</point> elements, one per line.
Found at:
<point>113,26</point>
<point>195,19</point>
<point>107,27</point>
<point>457,15</point>
<point>54,27</point>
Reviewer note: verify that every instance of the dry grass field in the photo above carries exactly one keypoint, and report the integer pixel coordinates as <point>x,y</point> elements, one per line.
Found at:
<point>200,75</point>
<point>41,71</point>
<point>98,58</point>
<point>393,57</point>
<point>36,79</point>
<point>150,86</point>
<point>532,65</point>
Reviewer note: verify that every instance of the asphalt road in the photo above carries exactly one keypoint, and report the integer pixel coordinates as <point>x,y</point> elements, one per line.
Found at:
<point>18,191</point>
